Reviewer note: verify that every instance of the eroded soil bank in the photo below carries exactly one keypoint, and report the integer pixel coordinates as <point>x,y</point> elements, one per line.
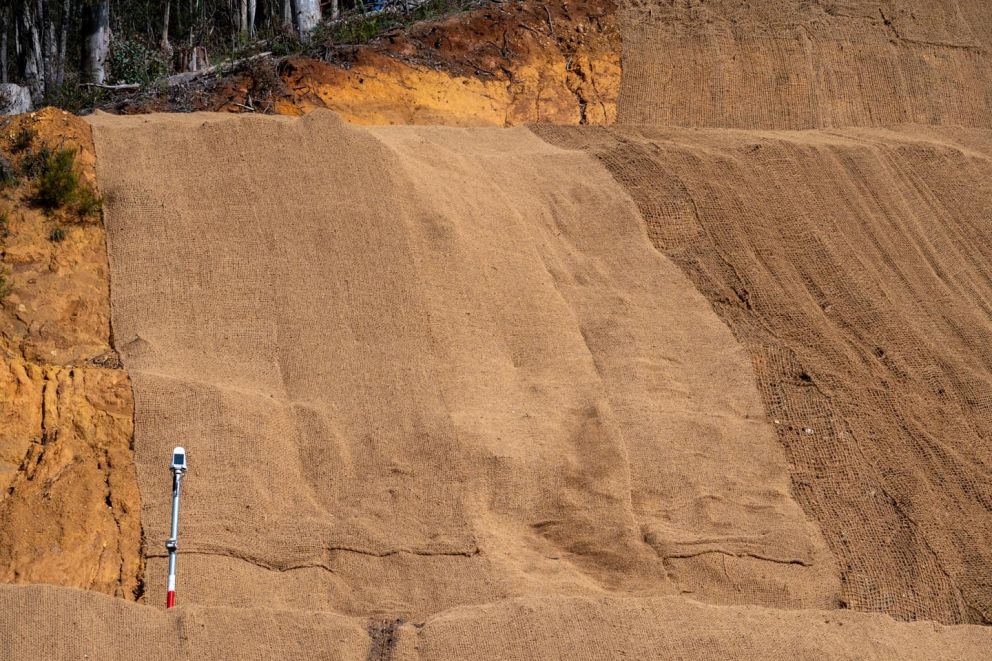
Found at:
<point>69,503</point>
<point>503,64</point>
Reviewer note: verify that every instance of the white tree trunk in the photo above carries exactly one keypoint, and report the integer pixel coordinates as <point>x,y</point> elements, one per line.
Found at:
<point>63,41</point>
<point>51,52</point>
<point>307,17</point>
<point>96,41</point>
<point>239,16</point>
<point>164,43</point>
<point>287,14</point>
<point>251,17</point>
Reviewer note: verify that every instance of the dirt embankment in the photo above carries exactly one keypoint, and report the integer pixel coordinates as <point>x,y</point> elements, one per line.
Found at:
<point>783,64</point>
<point>854,267</point>
<point>69,503</point>
<point>503,64</point>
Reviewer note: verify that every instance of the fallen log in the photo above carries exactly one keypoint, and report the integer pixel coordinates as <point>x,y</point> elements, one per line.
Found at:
<point>186,76</point>
<point>223,67</point>
<point>122,86</point>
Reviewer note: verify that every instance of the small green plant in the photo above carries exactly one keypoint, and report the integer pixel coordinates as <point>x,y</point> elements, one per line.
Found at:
<point>58,183</point>
<point>87,201</point>
<point>285,42</point>
<point>33,163</point>
<point>6,284</point>
<point>8,174</point>
<point>23,139</point>
<point>75,98</point>
<point>360,27</point>
<point>57,235</point>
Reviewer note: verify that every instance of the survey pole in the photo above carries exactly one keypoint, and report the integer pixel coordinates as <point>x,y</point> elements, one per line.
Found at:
<point>178,468</point>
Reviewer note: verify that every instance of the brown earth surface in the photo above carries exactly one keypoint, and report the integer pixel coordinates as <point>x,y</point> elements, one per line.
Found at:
<point>503,64</point>
<point>61,623</point>
<point>852,265</point>
<point>848,267</point>
<point>541,357</point>
<point>69,503</point>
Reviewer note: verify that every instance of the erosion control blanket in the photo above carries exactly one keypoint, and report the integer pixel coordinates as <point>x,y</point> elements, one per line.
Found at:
<point>42,622</point>
<point>855,266</point>
<point>416,368</point>
<point>785,64</point>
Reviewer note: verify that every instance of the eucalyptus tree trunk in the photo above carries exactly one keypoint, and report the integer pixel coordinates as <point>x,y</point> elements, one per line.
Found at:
<point>63,42</point>
<point>164,43</point>
<point>242,16</point>
<point>307,13</point>
<point>96,41</point>
<point>239,17</point>
<point>49,45</point>
<point>4,28</point>
<point>31,56</point>
<point>287,14</point>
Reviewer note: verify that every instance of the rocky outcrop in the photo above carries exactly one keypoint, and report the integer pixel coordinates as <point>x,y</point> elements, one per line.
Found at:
<point>14,99</point>
<point>502,65</point>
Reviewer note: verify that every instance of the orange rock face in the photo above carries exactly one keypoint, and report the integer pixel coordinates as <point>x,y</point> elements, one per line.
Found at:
<point>69,502</point>
<point>502,66</point>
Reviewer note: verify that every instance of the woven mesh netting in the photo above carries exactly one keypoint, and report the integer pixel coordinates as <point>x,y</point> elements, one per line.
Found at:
<point>855,268</point>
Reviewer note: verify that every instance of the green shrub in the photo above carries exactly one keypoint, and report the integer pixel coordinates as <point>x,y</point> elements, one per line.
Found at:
<point>87,201</point>
<point>57,235</point>
<point>75,98</point>
<point>284,43</point>
<point>8,174</point>
<point>23,139</point>
<point>33,163</point>
<point>359,27</point>
<point>133,62</point>
<point>58,183</point>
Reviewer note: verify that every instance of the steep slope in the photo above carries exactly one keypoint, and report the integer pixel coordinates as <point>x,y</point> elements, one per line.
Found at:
<point>501,64</point>
<point>854,266</point>
<point>504,64</point>
<point>69,504</point>
<point>786,64</point>
<point>486,383</point>
<point>468,394</point>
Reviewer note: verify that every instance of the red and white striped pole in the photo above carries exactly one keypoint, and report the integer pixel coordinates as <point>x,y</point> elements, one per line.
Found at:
<point>172,544</point>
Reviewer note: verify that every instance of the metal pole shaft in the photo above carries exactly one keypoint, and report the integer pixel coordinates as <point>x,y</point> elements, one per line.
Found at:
<point>172,544</point>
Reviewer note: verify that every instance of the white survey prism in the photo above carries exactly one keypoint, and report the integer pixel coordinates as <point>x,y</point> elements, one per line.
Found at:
<point>179,459</point>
